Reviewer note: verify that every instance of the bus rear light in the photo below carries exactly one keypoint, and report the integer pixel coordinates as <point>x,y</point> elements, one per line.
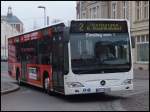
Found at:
<point>74,84</point>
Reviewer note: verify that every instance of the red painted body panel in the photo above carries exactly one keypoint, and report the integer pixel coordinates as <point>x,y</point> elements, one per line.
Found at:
<point>12,59</point>
<point>14,66</point>
<point>41,70</point>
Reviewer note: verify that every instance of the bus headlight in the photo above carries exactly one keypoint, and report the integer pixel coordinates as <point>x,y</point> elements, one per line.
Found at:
<point>75,84</point>
<point>127,81</point>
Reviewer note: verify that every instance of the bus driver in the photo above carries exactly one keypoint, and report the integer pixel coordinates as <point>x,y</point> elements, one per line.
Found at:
<point>103,53</point>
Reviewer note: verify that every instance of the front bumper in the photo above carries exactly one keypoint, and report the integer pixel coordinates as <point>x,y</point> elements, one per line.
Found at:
<point>90,90</point>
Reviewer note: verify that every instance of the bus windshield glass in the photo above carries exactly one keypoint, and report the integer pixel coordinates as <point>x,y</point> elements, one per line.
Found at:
<point>100,53</point>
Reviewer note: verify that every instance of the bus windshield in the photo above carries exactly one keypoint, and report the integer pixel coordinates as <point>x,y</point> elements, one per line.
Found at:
<point>100,53</point>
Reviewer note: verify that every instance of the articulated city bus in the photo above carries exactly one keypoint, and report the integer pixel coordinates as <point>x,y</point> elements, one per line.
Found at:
<point>89,56</point>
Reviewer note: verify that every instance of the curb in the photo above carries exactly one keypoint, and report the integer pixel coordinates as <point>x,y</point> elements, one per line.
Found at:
<point>14,88</point>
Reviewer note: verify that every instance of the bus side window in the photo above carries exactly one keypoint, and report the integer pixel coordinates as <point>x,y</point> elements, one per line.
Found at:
<point>45,51</point>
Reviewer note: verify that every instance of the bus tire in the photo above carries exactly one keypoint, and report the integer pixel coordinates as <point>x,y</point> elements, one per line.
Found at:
<point>18,76</point>
<point>46,82</point>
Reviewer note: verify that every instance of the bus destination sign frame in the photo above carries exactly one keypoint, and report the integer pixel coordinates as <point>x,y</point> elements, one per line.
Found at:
<point>98,27</point>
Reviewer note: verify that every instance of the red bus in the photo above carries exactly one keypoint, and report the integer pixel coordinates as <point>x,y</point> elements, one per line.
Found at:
<point>30,57</point>
<point>67,59</point>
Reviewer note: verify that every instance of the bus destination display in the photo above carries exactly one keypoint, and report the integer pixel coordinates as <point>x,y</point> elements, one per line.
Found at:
<point>98,26</point>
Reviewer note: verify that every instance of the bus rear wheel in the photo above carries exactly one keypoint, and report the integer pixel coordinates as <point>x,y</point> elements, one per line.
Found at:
<point>46,85</point>
<point>18,76</point>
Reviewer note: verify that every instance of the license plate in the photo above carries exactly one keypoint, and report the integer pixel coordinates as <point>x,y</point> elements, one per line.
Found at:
<point>100,90</point>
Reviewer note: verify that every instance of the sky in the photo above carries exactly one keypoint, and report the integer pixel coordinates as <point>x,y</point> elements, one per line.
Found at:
<point>31,16</point>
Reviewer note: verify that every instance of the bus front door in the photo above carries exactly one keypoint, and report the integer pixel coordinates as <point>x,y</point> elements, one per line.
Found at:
<point>24,69</point>
<point>57,65</point>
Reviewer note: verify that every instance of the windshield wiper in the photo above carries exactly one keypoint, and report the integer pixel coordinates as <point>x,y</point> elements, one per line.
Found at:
<point>82,72</point>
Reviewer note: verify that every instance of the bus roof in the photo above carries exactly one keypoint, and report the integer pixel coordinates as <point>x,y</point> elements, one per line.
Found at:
<point>36,29</point>
<point>103,19</point>
<point>97,19</point>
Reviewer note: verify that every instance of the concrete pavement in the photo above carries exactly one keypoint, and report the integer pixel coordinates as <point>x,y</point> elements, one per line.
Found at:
<point>138,101</point>
<point>7,87</point>
<point>7,84</point>
<point>141,74</point>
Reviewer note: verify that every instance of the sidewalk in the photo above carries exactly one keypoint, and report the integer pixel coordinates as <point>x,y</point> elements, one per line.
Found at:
<point>7,84</point>
<point>138,102</point>
<point>7,87</point>
<point>141,74</point>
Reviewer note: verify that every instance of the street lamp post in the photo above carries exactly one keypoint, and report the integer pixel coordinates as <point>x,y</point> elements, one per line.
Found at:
<point>44,14</point>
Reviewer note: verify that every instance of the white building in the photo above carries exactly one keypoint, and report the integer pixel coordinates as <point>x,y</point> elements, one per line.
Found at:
<point>6,31</point>
<point>10,26</point>
<point>13,20</point>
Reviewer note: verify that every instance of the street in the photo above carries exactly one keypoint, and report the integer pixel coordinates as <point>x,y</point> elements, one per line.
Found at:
<point>30,98</point>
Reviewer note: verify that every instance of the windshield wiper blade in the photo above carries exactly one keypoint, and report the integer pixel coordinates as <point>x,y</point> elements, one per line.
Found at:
<point>82,72</point>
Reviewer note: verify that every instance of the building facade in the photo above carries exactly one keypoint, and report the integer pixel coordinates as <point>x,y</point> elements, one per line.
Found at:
<point>10,26</point>
<point>13,20</point>
<point>92,9</point>
<point>6,31</point>
<point>140,31</point>
<point>136,12</point>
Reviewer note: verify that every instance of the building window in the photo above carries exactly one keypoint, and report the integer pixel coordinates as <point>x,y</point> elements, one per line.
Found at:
<point>125,9</point>
<point>147,38</point>
<point>143,52</point>
<point>114,8</point>
<point>98,15</point>
<point>83,15</point>
<point>143,48</point>
<point>82,5</point>
<point>13,25</point>
<point>18,27</point>
<point>142,38</point>
<point>78,17</point>
<point>138,38</point>
<point>94,12</point>
<point>145,9</point>
<point>138,10</point>
<point>90,13</point>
